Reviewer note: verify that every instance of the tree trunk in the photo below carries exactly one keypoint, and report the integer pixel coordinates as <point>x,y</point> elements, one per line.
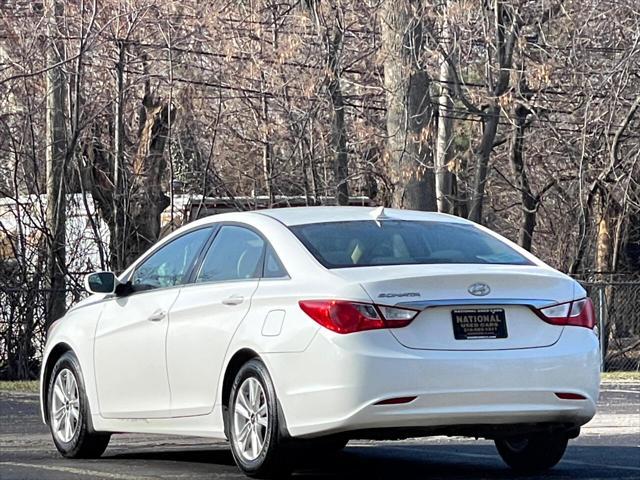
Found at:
<point>482,155</point>
<point>529,202</point>
<point>603,255</point>
<point>315,179</point>
<point>338,128</point>
<point>444,178</point>
<point>99,181</point>
<point>267,149</point>
<point>603,237</point>
<point>508,23</point>
<point>56,150</point>
<point>604,234</point>
<point>118,242</point>
<point>409,151</point>
<point>147,200</point>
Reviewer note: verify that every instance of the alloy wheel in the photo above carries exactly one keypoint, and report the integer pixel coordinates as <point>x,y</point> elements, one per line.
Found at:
<point>250,419</point>
<point>65,406</point>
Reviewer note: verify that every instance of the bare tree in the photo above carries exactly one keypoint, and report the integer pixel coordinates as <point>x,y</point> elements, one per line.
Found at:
<point>529,201</point>
<point>147,199</point>
<point>444,142</point>
<point>56,148</point>
<point>415,104</point>
<point>508,21</point>
<point>339,129</point>
<point>330,29</point>
<point>409,150</point>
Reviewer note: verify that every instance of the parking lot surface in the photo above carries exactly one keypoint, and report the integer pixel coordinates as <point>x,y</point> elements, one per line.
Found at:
<point>608,448</point>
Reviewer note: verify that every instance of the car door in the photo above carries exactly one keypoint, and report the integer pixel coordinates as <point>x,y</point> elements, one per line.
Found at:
<point>130,340</point>
<point>207,313</point>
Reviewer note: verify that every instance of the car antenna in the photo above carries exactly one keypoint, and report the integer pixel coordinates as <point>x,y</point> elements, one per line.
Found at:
<point>378,215</point>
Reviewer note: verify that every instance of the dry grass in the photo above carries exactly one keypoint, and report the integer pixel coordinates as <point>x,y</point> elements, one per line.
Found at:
<point>23,387</point>
<point>621,377</point>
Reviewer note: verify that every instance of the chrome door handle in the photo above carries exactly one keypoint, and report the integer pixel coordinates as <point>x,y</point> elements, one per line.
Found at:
<point>233,300</point>
<point>157,316</point>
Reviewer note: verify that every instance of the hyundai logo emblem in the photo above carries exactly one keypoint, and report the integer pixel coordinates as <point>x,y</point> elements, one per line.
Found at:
<point>479,289</point>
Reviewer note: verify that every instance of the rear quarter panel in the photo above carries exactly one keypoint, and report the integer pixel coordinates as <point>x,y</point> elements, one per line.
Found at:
<point>275,323</point>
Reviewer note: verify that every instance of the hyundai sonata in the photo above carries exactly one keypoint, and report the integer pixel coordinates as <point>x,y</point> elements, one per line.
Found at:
<point>313,326</point>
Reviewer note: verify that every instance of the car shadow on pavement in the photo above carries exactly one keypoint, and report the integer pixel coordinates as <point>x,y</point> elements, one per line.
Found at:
<point>219,456</point>
<point>403,461</point>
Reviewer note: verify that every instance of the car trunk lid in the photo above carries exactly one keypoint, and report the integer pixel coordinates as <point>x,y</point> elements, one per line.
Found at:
<point>442,292</point>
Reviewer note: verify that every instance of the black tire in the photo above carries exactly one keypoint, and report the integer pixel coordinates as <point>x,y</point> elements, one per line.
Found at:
<point>270,461</point>
<point>533,453</point>
<point>85,442</point>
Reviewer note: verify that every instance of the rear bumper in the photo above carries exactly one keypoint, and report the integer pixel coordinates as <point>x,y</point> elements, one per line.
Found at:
<point>334,385</point>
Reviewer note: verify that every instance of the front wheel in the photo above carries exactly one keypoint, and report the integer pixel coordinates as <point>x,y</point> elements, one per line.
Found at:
<point>253,422</point>
<point>533,453</point>
<point>69,414</point>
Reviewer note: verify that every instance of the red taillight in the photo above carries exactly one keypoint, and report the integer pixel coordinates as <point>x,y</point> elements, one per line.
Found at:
<point>578,313</point>
<point>342,316</point>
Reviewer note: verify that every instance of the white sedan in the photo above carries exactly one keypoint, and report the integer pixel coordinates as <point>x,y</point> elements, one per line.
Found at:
<point>313,326</point>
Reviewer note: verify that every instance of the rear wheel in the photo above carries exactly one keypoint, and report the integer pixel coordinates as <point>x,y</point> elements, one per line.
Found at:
<point>253,427</point>
<point>69,414</point>
<point>533,453</point>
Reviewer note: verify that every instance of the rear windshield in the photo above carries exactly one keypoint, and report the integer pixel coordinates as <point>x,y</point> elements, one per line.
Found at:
<point>398,242</point>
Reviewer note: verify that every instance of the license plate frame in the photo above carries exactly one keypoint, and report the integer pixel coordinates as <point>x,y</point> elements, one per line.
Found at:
<point>479,323</point>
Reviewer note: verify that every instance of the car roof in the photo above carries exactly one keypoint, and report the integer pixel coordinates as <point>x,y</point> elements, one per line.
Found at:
<point>305,215</point>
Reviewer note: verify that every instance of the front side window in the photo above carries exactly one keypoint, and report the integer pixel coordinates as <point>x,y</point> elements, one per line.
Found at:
<point>235,254</point>
<point>400,242</point>
<point>171,264</point>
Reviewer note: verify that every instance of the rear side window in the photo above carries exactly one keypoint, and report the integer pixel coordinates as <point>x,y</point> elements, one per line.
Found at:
<point>272,266</point>
<point>235,254</point>
<point>398,242</point>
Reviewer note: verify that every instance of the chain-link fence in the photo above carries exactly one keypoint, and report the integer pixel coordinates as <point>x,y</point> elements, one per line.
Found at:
<point>23,313</point>
<point>617,306</point>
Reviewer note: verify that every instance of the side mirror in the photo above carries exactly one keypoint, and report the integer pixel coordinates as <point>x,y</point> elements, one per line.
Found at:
<point>100,282</point>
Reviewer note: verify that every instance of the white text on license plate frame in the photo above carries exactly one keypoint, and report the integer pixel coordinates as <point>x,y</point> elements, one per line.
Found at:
<point>479,323</point>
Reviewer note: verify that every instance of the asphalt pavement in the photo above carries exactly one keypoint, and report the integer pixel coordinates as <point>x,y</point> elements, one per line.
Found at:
<point>608,448</point>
